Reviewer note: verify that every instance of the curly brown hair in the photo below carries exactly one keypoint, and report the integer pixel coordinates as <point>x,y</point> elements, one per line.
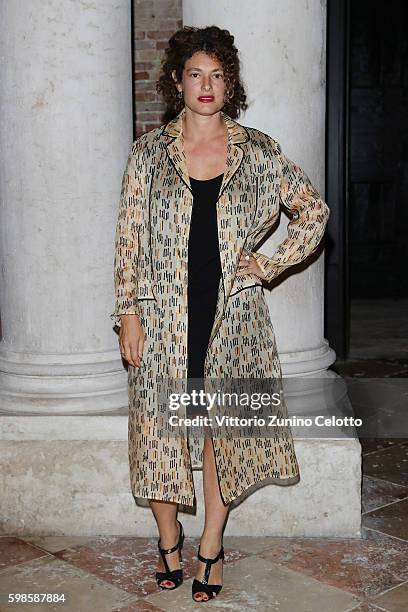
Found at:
<point>215,42</point>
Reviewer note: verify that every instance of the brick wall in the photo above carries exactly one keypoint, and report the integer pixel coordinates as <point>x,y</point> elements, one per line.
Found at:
<point>154,22</point>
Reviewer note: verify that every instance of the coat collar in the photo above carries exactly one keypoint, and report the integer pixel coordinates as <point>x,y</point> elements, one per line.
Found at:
<point>237,134</point>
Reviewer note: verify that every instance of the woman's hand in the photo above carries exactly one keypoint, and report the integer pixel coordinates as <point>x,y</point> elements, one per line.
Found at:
<point>249,265</point>
<point>131,339</point>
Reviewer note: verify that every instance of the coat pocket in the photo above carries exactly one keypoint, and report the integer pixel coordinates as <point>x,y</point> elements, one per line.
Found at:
<point>145,289</point>
<point>245,281</point>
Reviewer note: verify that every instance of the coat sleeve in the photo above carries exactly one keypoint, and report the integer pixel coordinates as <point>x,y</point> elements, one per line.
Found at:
<point>307,225</point>
<point>127,240</point>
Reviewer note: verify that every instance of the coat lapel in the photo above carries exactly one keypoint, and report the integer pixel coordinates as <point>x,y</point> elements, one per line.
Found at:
<point>175,149</point>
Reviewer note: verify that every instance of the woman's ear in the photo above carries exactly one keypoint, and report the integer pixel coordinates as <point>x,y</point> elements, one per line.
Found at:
<point>174,76</point>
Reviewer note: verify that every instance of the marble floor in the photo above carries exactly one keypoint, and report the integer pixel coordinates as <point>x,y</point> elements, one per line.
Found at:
<point>285,574</point>
<point>116,574</point>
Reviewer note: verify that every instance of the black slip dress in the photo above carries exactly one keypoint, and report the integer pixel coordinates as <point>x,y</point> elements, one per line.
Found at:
<point>204,272</point>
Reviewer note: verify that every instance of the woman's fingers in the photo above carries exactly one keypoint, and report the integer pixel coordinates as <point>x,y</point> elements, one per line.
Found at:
<point>248,266</point>
<point>134,354</point>
<point>130,354</point>
<point>245,261</point>
<point>131,346</point>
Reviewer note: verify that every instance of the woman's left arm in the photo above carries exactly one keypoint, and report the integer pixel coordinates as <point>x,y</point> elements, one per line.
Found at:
<point>308,223</point>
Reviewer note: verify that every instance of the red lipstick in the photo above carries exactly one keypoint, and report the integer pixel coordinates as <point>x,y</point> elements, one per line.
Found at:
<point>206,98</point>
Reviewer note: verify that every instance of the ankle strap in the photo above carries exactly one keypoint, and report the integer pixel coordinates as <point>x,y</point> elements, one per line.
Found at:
<point>166,551</point>
<point>207,560</point>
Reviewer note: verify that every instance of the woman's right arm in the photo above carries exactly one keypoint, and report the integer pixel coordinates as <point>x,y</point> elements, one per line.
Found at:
<point>126,313</point>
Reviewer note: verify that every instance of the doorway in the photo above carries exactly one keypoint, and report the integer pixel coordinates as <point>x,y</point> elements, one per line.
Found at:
<point>367,182</point>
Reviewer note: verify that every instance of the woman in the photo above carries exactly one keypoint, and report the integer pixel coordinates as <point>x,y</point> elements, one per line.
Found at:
<point>203,180</point>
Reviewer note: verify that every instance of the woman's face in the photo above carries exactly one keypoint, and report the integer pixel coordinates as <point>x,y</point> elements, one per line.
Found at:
<point>202,76</point>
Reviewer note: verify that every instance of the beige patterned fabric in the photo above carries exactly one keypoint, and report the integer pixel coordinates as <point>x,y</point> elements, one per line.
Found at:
<point>150,274</point>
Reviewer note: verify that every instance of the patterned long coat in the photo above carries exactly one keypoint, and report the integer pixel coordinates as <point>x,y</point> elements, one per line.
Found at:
<point>151,277</point>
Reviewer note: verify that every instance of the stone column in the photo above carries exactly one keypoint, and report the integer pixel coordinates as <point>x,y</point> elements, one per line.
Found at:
<point>65,133</point>
<point>282,52</point>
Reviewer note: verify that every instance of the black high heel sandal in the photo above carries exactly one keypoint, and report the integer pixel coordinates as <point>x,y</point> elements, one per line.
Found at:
<point>204,587</point>
<point>176,575</point>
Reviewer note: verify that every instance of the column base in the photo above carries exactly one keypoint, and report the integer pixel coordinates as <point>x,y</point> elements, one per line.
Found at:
<point>61,384</point>
<point>312,361</point>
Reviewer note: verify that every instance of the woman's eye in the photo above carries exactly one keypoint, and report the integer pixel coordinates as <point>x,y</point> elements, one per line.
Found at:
<point>197,74</point>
